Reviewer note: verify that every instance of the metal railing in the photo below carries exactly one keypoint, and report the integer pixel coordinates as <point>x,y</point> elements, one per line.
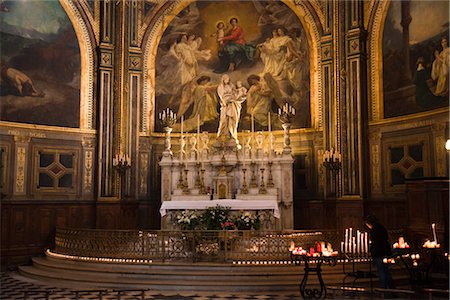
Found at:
<point>161,245</point>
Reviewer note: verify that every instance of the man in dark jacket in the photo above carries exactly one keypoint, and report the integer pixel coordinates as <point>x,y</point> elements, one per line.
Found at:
<point>379,249</point>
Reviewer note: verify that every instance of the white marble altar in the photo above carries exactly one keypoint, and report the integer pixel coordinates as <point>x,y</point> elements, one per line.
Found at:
<point>205,174</point>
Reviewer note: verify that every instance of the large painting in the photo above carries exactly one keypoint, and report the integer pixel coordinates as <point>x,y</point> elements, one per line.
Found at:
<point>257,50</point>
<point>415,57</point>
<point>40,64</point>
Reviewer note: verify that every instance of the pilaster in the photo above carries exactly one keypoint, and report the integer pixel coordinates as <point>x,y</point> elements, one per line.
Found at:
<point>21,153</point>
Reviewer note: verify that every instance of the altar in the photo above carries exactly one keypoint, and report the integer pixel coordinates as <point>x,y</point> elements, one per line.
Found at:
<point>241,172</point>
<point>232,204</point>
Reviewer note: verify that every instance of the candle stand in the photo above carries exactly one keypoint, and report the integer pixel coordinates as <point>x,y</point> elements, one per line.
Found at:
<point>270,183</point>
<point>333,165</point>
<point>313,264</point>
<point>244,189</point>
<point>286,115</point>
<point>167,118</point>
<point>262,186</point>
<point>355,273</point>
<point>121,164</point>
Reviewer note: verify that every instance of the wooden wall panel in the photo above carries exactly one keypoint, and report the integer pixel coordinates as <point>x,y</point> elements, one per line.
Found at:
<point>28,227</point>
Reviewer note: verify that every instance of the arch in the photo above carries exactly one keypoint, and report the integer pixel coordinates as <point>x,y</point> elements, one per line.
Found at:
<point>87,44</point>
<point>165,15</point>
<point>375,29</point>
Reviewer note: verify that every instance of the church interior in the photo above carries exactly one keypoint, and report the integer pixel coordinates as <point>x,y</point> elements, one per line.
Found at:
<point>181,149</point>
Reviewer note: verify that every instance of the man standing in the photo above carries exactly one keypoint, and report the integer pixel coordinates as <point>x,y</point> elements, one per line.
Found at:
<point>380,248</point>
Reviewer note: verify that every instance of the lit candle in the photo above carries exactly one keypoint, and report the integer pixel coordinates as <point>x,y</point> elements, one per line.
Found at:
<point>366,245</point>
<point>346,240</point>
<point>358,237</point>
<point>350,235</point>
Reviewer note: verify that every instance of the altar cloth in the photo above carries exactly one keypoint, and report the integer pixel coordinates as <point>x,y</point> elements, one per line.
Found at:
<point>233,204</point>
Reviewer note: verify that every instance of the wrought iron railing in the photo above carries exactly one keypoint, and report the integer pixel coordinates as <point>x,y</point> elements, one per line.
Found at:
<point>161,245</point>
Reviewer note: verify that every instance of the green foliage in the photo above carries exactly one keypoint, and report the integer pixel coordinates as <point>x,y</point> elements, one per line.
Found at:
<point>188,219</point>
<point>247,220</point>
<point>214,217</point>
<point>217,218</point>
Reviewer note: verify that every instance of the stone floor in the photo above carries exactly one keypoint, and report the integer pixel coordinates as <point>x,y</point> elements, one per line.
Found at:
<point>13,286</point>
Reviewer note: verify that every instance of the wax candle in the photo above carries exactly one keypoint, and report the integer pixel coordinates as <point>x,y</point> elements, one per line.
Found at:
<point>346,240</point>
<point>350,235</point>
<point>182,121</point>
<point>366,243</point>
<point>354,244</point>
<point>342,247</point>
<point>253,124</point>
<point>433,227</point>
<point>357,241</point>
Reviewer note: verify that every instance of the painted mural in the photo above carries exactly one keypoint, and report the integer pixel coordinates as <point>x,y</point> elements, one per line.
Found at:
<point>415,57</point>
<point>40,64</point>
<point>256,50</point>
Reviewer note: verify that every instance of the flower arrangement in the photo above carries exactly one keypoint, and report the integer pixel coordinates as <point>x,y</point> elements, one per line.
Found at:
<point>214,217</point>
<point>207,248</point>
<point>188,219</point>
<point>228,226</point>
<point>247,220</point>
<point>217,218</point>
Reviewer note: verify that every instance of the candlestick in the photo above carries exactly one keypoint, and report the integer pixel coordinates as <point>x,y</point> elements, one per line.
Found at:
<point>262,185</point>
<point>244,189</point>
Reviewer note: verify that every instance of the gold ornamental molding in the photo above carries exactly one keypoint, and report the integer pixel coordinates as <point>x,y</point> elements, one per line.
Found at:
<point>21,165</point>
<point>87,46</point>
<point>167,13</point>
<point>378,13</point>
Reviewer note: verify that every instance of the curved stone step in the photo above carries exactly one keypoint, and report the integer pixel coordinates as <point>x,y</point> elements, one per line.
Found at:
<point>182,276</point>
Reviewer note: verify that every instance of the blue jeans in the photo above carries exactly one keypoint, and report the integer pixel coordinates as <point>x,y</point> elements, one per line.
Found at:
<point>386,281</point>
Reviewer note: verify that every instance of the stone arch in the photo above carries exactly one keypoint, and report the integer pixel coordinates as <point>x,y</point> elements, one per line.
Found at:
<point>87,45</point>
<point>165,15</point>
<point>375,29</point>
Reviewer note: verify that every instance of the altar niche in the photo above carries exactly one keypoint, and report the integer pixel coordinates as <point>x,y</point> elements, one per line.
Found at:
<point>251,176</point>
